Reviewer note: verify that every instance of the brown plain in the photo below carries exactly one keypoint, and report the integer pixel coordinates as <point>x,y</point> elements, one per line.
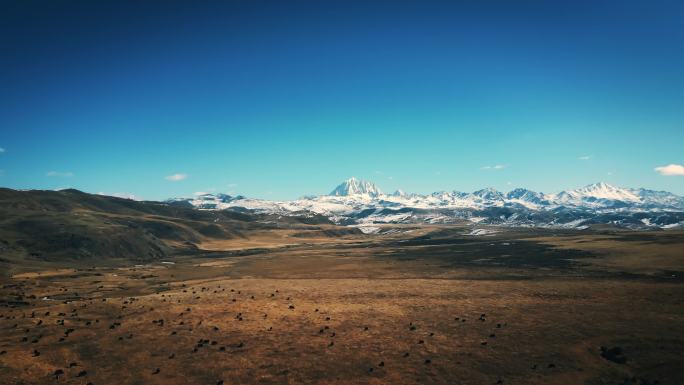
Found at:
<point>426,305</point>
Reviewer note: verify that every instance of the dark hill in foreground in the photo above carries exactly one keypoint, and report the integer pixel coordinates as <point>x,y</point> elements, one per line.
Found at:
<point>71,226</point>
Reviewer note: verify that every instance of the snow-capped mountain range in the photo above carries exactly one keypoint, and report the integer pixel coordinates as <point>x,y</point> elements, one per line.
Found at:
<point>360,203</point>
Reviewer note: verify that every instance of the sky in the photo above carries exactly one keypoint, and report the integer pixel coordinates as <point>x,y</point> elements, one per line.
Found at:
<point>280,99</point>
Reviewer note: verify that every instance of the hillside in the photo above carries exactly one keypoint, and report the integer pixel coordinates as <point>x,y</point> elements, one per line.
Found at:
<point>70,227</point>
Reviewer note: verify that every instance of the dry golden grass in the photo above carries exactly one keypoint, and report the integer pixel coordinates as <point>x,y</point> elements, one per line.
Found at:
<point>270,239</point>
<point>648,253</point>
<point>545,327</point>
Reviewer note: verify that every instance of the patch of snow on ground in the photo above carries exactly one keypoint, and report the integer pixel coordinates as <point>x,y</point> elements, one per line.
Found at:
<point>572,224</point>
<point>478,232</point>
<point>389,218</point>
<point>369,229</point>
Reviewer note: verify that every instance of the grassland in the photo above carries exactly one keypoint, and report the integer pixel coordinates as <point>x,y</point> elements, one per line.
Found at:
<point>425,305</point>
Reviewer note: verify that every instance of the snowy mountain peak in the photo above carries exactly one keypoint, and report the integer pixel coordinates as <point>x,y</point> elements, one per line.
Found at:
<point>600,190</point>
<point>524,194</point>
<point>399,193</point>
<point>353,186</point>
<point>489,193</point>
<point>600,186</point>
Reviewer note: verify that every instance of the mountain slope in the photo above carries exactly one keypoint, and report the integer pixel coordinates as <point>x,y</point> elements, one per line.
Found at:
<point>70,225</point>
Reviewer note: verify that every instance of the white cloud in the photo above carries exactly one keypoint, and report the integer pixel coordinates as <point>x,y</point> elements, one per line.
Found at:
<point>495,167</point>
<point>176,177</point>
<point>2,150</point>
<point>62,174</point>
<point>585,157</point>
<point>209,190</point>
<point>670,169</point>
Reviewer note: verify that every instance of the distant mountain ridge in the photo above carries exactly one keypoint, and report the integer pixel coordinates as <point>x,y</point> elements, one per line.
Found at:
<point>361,203</point>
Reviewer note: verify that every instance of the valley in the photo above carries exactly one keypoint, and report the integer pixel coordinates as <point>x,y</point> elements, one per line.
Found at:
<point>260,299</point>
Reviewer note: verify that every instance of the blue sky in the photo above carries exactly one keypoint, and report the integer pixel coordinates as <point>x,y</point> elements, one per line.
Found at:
<point>278,99</point>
